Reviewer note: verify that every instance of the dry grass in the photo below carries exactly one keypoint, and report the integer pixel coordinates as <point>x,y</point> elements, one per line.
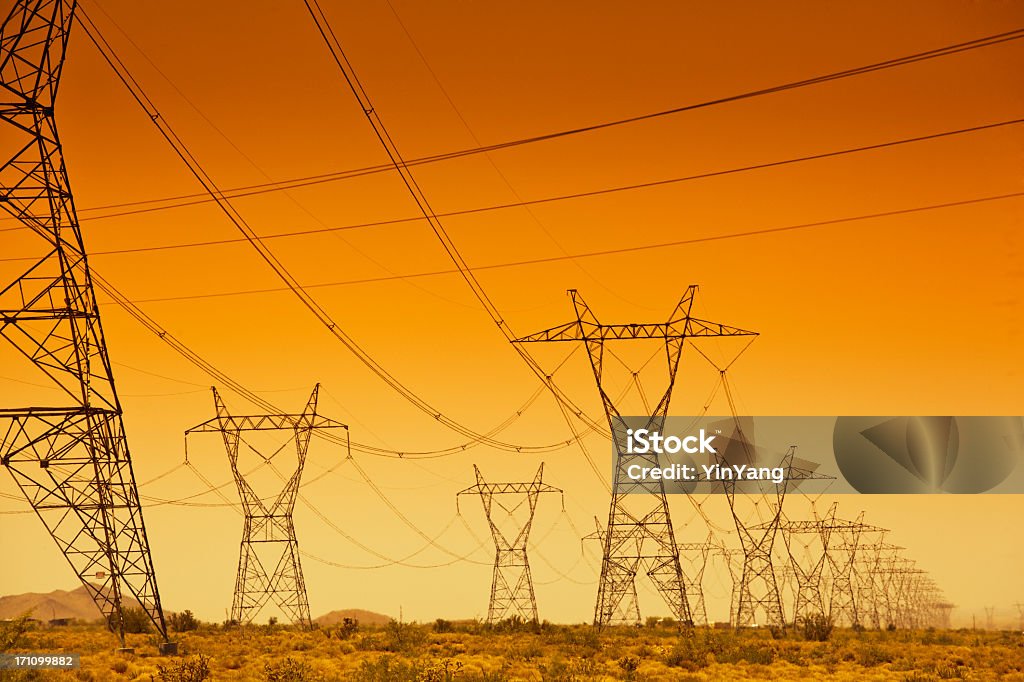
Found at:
<point>558,653</point>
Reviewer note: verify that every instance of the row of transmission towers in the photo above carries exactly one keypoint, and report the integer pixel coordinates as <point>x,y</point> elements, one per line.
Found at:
<point>71,458</point>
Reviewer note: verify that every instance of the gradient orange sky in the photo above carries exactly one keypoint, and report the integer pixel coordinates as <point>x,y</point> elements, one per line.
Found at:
<point>913,314</point>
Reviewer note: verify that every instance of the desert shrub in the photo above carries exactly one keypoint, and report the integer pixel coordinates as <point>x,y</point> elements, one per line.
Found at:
<point>629,666</point>
<point>183,622</point>
<point>653,621</point>
<point>346,628</point>
<point>690,652</point>
<point>873,655</point>
<point>386,668</point>
<point>573,670</point>
<point>817,627</point>
<point>191,669</point>
<point>514,624</point>
<point>288,670</point>
<point>441,626</point>
<point>445,670</point>
<point>136,620</point>
<point>373,641</point>
<point>403,637</point>
<point>951,672</point>
<point>12,631</point>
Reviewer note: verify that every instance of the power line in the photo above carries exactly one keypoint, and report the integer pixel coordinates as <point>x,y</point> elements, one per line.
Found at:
<point>616,251</point>
<point>278,268</point>
<point>575,195</point>
<point>262,188</point>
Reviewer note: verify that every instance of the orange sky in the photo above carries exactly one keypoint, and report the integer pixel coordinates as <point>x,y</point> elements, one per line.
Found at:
<point>912,314</point>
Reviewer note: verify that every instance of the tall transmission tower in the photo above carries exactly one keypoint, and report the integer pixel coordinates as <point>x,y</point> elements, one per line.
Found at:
<point>639,525</point>
<point>268,535</point>
<point>69,458</point>
<point>512,594</point>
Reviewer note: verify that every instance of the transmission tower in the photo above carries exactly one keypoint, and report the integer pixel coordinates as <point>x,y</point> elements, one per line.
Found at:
<point>640,532</point>
<point>807,565</point>
<point>70,459</point>
<point>842,558</point>
<point>628,610</point>
<point>694,557</point>
<point>512,593</point>
<point>268,535</point>
<point>872,585</point>
<point>759,589</point>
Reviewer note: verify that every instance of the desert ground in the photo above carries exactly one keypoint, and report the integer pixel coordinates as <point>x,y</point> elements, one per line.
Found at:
<point>567,653</point>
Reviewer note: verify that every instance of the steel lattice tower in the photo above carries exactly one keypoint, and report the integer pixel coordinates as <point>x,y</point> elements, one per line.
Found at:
<point>759,589</point>
<point>628,609</point>
<point>842,559</point>
<point>268,532</point>
<point>639,533</point>
<point>512,593</point>
<point>695,556</point>
<point>70,459</point>
<point>871,582</point>
<point>808,599</point>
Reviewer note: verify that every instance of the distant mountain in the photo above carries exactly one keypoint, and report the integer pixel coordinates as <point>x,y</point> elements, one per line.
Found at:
<point>57,604</point>
<point>364,617</point>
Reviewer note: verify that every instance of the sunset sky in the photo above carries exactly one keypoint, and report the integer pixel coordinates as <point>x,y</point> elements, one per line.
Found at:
<point>916,313</point>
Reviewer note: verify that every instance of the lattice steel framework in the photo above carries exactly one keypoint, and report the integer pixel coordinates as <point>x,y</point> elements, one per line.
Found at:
<point>639,534</point>
<point>70,459</point>
<point>842,559</point>
<point>627,611</point>
<point>872,584</point>
<point>733,559</point>
<point>512,594</point>
<point>268,531</point>
<point>759,589</point>
<point>808,566</point>
<point>694,558</point>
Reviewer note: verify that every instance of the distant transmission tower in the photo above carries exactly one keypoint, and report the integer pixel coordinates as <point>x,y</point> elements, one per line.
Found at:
<point>758,588</point>
<point>70,459</point>
<point>639,525</point>
<point>694,557</point>
<point>808,566</point>
<point>842,558</point>
<point>512,593</point>
<point>268,536</point>
<point>627,611</point>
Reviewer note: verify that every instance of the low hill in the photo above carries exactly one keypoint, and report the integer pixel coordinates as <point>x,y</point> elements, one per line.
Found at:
<point>57,604</point>
<point>364,617</point>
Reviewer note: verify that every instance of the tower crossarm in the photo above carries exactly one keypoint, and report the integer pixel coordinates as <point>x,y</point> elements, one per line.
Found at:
<point>583,331</point>
<point>679,327</point>
<point>510,488</point>
<point>266,422</point>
